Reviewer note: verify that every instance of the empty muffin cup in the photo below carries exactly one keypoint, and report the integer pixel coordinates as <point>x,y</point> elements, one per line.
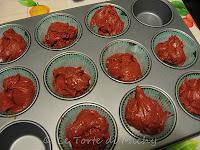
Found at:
<point>129,47</point>
<point>106,27</point>
<point>17,96</point>
<point>61,31</point>
<point>164,100</point>
<point>192,104</point>
<point>22,32</point>
<point>22,134</point>
<point>75,60</point>
<point>190,47</point>
<point>153,13</point>
<point>69,116</point>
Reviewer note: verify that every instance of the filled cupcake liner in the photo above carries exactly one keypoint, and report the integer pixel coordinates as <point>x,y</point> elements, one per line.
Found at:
<point>10,71</point>
<point>164,100</point>
<point>43,25</point>
<point>20,30</point>
<point>70,115</point>
<point>72,59</point>
<point>188,75</point>
<point>122,13</point>
<point>127,46</point>
<point>190,46</point>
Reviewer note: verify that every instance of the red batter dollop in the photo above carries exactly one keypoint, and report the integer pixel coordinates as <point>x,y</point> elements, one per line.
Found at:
<point>145,114</point>
<point>189,93</point>
<point>12,45</point>
<point>89,126</point>
<point>171,51</point>
<point>17,95</point>
<point>60,35</point>
<point>70,81</point>
<point>124,67</point>
<point>107,21</point>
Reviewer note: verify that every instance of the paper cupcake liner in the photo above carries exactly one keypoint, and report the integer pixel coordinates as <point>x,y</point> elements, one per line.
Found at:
<point>127,46</point>
<point>190,47</point>
<point>73,59</point>
<point>20,30</point>
<point>43,25</point>
<point>164,100</point>
<point>10,71</point>
<point>122,13</point>
<point>70,115</point>
<point>188,75</point>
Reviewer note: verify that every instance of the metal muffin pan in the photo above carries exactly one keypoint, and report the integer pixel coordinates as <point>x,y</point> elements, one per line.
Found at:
<point>48,109</point>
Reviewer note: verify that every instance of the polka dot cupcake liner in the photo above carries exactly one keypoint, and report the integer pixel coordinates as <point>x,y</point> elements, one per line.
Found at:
<point>190,47</point>
<point>127,46</point>
<point>70,115</point>
<point>188,75</point>
<point>122,13</point>
<point>11,71</point>
<point>164,100</point>
<point>70,59</point>
<point>21,31</point>
<point>43,25</point>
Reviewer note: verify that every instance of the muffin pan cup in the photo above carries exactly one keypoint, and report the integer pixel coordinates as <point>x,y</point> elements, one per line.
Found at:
<point>188,75</point>
<point>161,98</point>
<point>20,132</point>
<point>47,109</point>
<point>21,30</point>
<point>11,71</point>
<point>152,13</point>
<point>70,115</point>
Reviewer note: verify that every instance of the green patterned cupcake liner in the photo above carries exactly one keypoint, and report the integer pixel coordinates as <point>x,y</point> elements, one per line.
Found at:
<point>120,11</point>
<point>190,46</point>
<point>188,75</point>
<point>43,25</point>
<point>72,59</point>
<point>11,71</point>
<point>20,30</point>
<point>70,115</point>
<point>127,46</point>
<point>164,100</point>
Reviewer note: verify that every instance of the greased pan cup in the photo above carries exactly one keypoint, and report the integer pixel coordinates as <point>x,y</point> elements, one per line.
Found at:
<point>70,115</point>
<point>43,25</point>
<point>164,100</point>
<point>21,31</point>
<point>70,59</point>
<point>21,133</point>
<point>122,13</point>
<point>11,71</point>
<point>153,13</point>
<point>190,47</point>
<point>127,46</point>
<point>188,75</point>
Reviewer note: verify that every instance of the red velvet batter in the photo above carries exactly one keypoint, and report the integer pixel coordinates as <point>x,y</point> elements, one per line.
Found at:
<point>12,45</point>
<point>124,67</point>
<point>18,93</point>
<point>189,93</point>
<point>107,21</point>
<point>70,81</point>
<point>88,125</point>
<point>145,114</point>
<point>171,51</point>
<point>60,35</point>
